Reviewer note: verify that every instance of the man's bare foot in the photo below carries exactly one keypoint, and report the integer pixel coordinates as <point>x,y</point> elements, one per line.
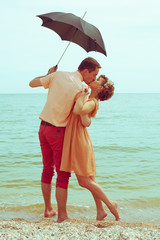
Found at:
<point>101,216</point>
<point>114,210</point>
<point>49,213</point>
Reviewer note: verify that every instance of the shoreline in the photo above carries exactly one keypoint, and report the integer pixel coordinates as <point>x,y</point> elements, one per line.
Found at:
<point>47,228</point>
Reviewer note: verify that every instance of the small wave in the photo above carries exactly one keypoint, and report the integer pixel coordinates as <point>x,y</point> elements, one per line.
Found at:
<point>142,202</point>
<point>122,149</point>
<point>21,156</point>
<point>134,210</point>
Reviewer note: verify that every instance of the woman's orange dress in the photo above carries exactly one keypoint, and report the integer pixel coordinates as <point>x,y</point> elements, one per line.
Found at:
<point>78,153</point>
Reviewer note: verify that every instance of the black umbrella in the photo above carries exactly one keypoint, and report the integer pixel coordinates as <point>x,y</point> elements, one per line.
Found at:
<point>74,29</point>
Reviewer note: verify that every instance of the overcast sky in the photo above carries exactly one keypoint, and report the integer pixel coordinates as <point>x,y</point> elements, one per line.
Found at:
<point>130,30</point>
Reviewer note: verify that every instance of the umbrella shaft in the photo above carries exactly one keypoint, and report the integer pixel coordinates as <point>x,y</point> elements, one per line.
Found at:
<point>64,52</point>
<point>66,47</point>
<point>84,14</point>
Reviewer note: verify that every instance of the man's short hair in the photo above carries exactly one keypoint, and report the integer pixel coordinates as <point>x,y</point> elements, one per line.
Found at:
<point>89,63</point>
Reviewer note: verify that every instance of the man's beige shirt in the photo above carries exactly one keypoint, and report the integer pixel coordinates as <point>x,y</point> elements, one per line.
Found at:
<point>63,88</point>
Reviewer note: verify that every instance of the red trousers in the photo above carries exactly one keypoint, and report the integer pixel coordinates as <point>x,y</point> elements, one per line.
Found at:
<point>51,142</point>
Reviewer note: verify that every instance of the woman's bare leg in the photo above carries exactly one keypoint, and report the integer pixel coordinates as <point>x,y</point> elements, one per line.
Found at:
<point>101,213</point>
<point>97,192</point>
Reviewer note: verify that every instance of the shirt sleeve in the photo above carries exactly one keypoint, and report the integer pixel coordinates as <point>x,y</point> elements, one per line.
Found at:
<point>46,80</point>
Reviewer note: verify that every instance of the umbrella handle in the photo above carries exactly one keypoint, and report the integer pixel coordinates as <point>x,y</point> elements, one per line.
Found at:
<point>68,44</point>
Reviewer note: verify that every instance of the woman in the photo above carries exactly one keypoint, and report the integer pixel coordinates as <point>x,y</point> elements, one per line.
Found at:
<point>78,154</point>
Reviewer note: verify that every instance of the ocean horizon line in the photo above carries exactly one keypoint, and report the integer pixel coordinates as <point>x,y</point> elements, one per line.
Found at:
<point>7,93</point>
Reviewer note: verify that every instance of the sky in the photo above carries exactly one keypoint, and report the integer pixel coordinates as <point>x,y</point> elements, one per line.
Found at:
<point>130,30</point>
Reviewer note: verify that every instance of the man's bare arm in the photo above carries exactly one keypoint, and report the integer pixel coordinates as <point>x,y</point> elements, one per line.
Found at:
<point>36,81</point>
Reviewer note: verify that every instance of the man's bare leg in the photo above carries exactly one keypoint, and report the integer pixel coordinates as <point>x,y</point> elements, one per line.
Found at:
<point>46,190</point>
<point>61,197</point>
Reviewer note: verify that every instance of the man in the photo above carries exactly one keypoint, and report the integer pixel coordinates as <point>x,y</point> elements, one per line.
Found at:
<point>63,88</point>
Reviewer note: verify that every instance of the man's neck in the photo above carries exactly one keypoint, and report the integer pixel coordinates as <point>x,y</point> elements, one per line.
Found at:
<point>81,75</point>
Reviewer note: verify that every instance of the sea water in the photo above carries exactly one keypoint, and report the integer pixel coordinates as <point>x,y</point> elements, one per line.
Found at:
<point>126,138</point>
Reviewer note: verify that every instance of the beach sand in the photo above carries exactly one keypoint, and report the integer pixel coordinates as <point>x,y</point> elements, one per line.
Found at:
<point>76,229</point>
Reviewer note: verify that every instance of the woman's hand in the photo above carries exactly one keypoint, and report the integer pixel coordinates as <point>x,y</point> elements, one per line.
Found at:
<point>85,90</point>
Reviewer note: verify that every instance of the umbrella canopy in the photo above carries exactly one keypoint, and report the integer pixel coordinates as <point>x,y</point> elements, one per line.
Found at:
<point>74,29</point>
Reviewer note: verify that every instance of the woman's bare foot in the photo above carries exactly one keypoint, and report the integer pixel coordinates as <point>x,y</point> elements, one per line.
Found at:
<point>60,219</point>
<point>101,215</point>
<point>114,210</point>
<point>49,213</point>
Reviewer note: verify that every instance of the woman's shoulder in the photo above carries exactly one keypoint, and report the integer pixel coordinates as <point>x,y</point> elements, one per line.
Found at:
<point>93,99</point>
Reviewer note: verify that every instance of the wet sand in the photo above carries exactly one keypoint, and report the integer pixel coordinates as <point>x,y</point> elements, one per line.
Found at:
<point>76,229</point>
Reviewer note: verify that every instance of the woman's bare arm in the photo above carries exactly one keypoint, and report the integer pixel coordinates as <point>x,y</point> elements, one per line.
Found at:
<point>85,120</point>
<point>81,107</point>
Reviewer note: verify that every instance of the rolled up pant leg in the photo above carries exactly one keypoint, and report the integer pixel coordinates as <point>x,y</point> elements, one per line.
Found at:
<point>62,179</point>
<point>47,156</point>
<point>51,141</point>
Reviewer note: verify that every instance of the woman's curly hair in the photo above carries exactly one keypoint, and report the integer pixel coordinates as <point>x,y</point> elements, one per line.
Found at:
<point>108,90</point>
